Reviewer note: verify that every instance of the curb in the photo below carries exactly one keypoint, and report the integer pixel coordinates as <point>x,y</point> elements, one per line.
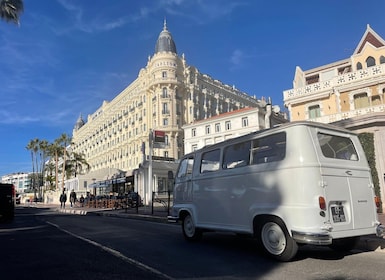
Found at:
<point>132,216</point>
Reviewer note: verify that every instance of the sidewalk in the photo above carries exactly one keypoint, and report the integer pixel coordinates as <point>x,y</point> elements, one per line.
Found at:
<point>159,214</point>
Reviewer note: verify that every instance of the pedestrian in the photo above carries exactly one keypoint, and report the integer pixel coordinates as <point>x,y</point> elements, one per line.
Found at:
<point>82,201</point>
<point>63,199</point>
<point>73,198</point>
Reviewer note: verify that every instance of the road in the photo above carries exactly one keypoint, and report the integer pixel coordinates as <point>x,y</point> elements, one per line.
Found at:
<point>41,244</point>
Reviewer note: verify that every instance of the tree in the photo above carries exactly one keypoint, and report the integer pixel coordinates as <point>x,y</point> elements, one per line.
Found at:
<point>33,147</point>
<point>76,165</point>
<point>10,10</point>
<point>39,153</point>
<point>63,141</point>
<point>367,142</point>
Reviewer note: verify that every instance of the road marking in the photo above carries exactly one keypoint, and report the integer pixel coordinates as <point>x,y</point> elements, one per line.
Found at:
<point>113,252</point>
<point>20,228</point>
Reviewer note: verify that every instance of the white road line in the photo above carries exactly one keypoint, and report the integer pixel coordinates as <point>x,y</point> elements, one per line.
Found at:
<point>114,253</point>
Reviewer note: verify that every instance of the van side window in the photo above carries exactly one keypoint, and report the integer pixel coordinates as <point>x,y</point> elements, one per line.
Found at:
<point>338,147</point>
<point>269,149</point>
<point>185,167</point>
<point>236,155</point>
<point>210,161</point>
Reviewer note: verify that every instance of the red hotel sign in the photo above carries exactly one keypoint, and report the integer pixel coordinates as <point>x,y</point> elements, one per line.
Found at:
<point>159,136</point>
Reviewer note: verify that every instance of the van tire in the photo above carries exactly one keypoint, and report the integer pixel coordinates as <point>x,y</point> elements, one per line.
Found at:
<point>190,232</point>
<point>274,239</point>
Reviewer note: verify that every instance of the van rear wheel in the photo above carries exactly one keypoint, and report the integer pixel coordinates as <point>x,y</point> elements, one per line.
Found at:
<point>273,237</point>
<point>190,232</point>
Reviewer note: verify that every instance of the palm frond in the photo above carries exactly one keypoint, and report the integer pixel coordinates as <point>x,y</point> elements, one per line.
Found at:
<point>10,10</point>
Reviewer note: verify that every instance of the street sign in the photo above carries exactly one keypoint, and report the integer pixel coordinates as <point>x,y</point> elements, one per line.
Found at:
<point>159,137</point>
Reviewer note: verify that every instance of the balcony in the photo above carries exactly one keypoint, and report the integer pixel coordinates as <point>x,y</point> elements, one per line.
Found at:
<point>350,114</point>
<point>358,77</point>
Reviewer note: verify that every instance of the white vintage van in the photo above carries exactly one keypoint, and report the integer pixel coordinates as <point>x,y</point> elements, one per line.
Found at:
<point>299,183</point>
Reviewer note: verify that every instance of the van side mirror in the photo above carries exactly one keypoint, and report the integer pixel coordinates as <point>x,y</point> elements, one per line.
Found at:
<point>170,174</point>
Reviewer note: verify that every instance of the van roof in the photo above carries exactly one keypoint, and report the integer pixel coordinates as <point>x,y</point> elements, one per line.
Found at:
<point>280,127</point>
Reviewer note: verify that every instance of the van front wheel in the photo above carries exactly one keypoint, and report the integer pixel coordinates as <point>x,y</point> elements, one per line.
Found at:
<point>275,240</point>
<point>190,232</point>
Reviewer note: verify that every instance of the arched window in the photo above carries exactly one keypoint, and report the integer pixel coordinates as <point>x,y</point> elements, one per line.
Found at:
<point>370,61</point>
<point>359,66</point>
<point>382,59</point>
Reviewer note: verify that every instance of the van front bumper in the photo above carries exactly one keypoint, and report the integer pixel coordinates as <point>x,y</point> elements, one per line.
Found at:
<point>312,238</point>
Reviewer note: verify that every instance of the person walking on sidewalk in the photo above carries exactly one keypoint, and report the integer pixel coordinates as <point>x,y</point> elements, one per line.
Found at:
<point>63,199</point>
<point>73,198</point>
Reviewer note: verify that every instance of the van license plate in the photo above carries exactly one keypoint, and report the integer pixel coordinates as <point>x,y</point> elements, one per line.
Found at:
<point>338,214</point>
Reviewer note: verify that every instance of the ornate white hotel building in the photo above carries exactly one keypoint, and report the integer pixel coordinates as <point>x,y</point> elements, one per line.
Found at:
<point>167,94</point>
<point>349,93</point>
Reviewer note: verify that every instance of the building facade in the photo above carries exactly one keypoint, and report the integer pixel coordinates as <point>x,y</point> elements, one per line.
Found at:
<point>231,124</point>
<point>21,180</point>
<point>349,93</point>
<point>167,94</point>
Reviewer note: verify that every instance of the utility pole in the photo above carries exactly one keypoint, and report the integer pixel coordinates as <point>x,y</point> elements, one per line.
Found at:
<point>150,144</point>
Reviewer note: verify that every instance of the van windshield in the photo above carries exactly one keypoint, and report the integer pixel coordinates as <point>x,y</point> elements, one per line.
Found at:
<point>338,147</point>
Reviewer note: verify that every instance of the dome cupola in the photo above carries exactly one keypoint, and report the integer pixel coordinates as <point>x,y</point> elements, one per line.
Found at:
<point>165,43</point>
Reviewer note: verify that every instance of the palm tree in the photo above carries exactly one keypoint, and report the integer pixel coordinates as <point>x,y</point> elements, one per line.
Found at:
<point>77,164</point>
<point>43,154</point>
<point>10,10</point>
<point>63,141</point>
<point>33,147</point>
<point>54,151</point>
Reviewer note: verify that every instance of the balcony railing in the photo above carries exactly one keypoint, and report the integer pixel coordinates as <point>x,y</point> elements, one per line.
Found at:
<point>341,80</point>
<point>350,114</point>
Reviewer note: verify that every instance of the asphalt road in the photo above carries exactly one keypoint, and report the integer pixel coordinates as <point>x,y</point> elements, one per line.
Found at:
<point>30,248</point>
<point>42,244</point>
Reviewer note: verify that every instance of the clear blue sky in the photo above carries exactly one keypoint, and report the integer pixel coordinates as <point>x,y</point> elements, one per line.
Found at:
<point>67,56</point>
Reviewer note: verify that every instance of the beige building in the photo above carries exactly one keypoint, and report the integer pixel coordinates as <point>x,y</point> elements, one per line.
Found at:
<point>167,94</point>
<point>232,124</point>
<point>348,93</point>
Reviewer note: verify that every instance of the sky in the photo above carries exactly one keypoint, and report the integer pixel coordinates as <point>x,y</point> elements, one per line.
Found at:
<point>67,56</point>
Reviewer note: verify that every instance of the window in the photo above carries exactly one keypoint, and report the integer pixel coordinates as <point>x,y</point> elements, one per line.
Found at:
<point>382,59</point>
<point>359,66</point>
<point>207,129</point>
<point>185,167</point>
<point>217,127</point>
<point>245,122</point>
<point>165,122</point>
<point>165,154</point>
<point>210,161</point>
<point>164,74</point>
<point>269,149</point>
<point>194,147</point>
<point>338,147</point>
<point>370,61</point>
<point>228,125</point>
<point>164,93</point>
<point>314,112</point>
<point>361,100</point>
<point>193,132</point>
<point>377,100</point>
<point>236,155</point>
<point>165,108</point>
